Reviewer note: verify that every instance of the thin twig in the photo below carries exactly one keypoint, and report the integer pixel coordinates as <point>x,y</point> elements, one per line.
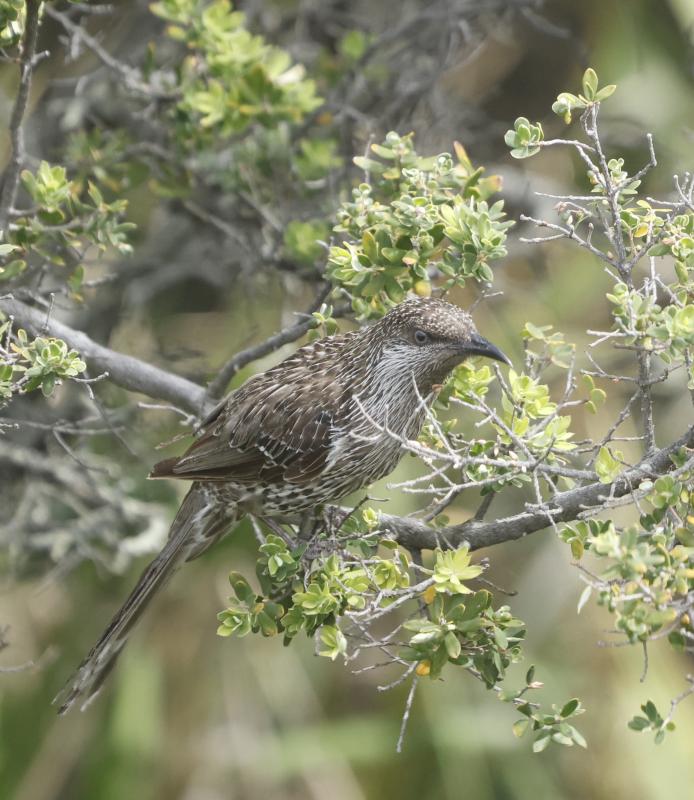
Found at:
<point>217,386</point>
<point>406,714</point>
<point>132,78</point>
<point>565,507</point>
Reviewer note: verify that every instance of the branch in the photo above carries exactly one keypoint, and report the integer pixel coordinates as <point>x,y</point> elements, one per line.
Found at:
<point>567,506</point>
<point>291,334</point>
<point>125,371</point>
<point>131,76</point>
<point>26,65</point>
<point>237,362</point>
<point>139,376</point>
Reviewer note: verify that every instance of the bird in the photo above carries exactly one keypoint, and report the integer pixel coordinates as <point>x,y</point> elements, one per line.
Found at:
<point>325,422</point>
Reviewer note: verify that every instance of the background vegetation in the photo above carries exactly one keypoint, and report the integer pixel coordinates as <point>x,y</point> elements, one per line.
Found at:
<point>224,253</point>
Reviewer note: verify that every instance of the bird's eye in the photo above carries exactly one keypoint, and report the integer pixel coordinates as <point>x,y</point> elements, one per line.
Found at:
<point>420,337</point>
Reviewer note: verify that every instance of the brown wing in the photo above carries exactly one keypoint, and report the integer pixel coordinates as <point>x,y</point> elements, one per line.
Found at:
<point>269,430</point>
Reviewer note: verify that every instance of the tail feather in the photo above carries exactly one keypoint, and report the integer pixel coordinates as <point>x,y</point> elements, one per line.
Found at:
<point>198,524</point>
<point>164,469</point>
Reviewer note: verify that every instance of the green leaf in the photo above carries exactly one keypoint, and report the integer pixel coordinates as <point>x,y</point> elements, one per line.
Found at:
<point>520,726</point>
<point>525,138</point>
<point>76,279</point>
<point>48,384</point>
<point>590,83</point>
<point>334,640</point>
<point>583,599</point>
<point>241,587</point>
<point>606,466</point>
<point>565,104</point>
<point>605,92</point>
<point>500,638</point>
<point>353,45</point>
<point>578,738</point>
<point>369,165</point>
<point>302,240</point>
<point>370,247</point>
<point>597,397</point>
<point>12,269</point>
<point>569,708</point>
<point>452,643</point>
<point>451,568</point>
<point>651,711</point>
<point>536,332</point>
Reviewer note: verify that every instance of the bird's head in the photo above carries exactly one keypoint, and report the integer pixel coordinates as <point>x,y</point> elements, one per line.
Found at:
<point>428,338</point>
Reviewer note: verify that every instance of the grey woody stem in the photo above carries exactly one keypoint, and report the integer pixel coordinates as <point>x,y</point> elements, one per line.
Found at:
<point>126,371</point>
<point>139,376</point>
<point>563,507</point>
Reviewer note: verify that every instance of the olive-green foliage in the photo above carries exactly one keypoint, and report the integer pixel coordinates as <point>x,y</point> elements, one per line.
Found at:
<point>416,218</point>
<point>230,79</point>
<point>66,216</point>
<point>411,216</point>
<point>228,82</point>
<point>338,596</point>
<point>40,363</point>
<point>231,109</point>
<point>11,22</point>
<point>645,573</point>
<point>69,222</point>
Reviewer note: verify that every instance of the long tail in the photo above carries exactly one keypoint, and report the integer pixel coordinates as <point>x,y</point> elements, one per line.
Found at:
<point>199,523</point>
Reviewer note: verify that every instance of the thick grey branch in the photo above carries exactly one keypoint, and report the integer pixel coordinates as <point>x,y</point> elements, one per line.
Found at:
<point>139,376</point>
<point>564,507</point>
<point>125,371</point>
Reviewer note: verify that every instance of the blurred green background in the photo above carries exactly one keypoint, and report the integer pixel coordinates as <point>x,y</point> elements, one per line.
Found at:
<point>190,715</point>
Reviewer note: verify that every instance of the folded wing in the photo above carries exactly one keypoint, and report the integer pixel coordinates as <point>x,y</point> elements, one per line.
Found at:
<point>266,432</point>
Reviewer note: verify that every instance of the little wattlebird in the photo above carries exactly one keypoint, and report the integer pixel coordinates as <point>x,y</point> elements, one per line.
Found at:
<point>328,420</point>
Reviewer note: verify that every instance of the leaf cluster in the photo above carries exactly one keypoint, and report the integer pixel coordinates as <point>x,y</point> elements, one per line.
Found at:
<point>337,596</point>
<point>229,79</point>
<point>66,220</point>
<point>411,216</point>
<point>40,363</point>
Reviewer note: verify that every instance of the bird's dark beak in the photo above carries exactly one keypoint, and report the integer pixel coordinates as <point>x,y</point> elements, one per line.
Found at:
<point>479,346</point>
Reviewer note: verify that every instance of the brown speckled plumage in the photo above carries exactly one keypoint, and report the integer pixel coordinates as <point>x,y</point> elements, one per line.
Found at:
<point>320,425</point>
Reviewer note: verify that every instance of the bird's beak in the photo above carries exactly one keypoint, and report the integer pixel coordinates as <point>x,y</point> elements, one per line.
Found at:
<point>479,346</point>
